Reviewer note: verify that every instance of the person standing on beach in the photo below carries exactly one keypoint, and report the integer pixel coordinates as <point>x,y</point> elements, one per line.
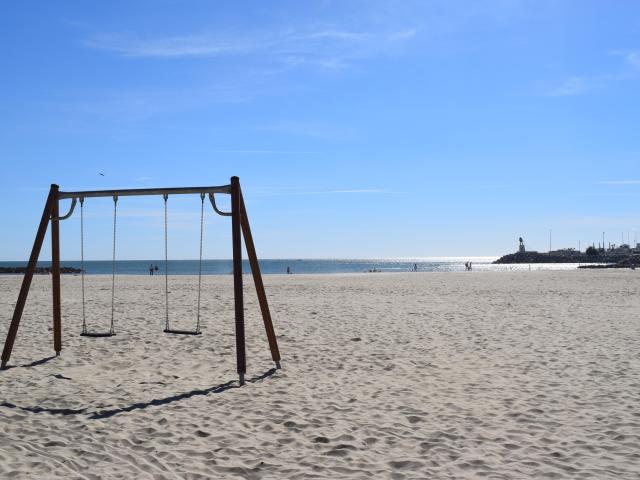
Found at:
<point>151,269</point>
<point>156,268</point>
<point>288,270</point>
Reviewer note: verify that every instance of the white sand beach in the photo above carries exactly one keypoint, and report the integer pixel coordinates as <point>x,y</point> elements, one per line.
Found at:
<point>425,375</point>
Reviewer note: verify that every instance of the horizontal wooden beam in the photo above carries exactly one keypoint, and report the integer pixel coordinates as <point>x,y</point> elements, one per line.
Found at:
<point>145,191</point>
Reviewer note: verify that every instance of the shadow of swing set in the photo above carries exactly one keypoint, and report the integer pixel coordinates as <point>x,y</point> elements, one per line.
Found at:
<point>239,228</point>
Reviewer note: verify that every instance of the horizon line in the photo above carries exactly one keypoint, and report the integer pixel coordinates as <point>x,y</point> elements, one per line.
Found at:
<point>295,259</point>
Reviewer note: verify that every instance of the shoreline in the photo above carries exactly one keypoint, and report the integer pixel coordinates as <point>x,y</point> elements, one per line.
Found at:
<point>578,268</point>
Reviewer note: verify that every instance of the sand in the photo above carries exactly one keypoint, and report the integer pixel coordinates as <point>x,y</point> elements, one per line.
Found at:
<point>426,375</point>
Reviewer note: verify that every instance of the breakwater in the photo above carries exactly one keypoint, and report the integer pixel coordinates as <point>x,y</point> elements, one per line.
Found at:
<point>577,257</point>
<point>38,270</point>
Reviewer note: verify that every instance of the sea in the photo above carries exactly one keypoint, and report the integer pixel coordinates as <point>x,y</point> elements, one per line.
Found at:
<point>303,266</point>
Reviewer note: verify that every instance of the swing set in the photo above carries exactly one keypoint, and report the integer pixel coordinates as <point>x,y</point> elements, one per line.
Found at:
<point>239,228</point>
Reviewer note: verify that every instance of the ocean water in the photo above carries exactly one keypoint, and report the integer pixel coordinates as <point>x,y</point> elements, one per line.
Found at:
<point>302,266</point>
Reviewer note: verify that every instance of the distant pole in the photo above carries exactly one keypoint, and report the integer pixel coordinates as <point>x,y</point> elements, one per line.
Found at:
<point>603,242</point>
<point>549,241</point>
<point>579,246</point>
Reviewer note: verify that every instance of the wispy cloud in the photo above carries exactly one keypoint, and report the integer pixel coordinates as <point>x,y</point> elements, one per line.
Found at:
<point>619,182</point>
<point>134,106</point>
<point>308,129</point>
<point>633,58</point>
<point>176,46</point>
<point>617,222</point>
<point>580,85</point>
<point>253,61</point>
<point>302,192</point>
<point>268,152</point>
<point>630,57</point>
<point>359,190</point>
<point>576,86</point>
<point>321,47</point>
<point>403,34</point>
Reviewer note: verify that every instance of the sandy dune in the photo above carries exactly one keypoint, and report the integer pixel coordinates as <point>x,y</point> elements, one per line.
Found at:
<point>454,375</point>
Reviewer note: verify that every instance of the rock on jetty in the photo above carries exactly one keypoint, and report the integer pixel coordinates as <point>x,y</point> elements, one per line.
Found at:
<point>577,257</point>
<point>39,270</point>
<point>632,261</point>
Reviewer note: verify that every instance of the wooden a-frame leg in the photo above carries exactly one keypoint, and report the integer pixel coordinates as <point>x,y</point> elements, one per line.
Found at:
<point>257,279</point>
<point>241,357</point>
<point>26,281</point>
<point>55,271</point>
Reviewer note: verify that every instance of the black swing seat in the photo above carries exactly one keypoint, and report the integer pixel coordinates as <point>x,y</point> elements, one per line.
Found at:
<point>182,332</point>
<point>97,334</point>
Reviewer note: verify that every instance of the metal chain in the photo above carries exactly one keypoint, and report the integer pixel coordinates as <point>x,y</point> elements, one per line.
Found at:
<point>200,261</point>
<point>113,263</point>
<point>84,318</point>
<point>166,266</point>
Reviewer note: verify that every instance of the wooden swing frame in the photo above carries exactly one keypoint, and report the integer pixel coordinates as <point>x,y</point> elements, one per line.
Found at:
<point>239,228</point>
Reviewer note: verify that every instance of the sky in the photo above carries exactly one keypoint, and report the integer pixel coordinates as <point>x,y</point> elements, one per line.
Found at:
<point>359,129</point>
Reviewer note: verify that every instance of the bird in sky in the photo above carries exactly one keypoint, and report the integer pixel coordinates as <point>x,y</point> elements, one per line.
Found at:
<point>101,174</point>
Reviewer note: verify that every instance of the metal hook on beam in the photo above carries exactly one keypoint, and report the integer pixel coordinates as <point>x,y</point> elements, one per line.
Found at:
<point>212,198</point>
<point>70,212</point>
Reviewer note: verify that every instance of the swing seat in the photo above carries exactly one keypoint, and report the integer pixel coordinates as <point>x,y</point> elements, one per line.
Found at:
<point>97,334</point>
<point>182,332</point>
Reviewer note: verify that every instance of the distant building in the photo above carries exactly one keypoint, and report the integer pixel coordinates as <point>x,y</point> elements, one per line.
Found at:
<point>565,252</point>
<point>624,248</point>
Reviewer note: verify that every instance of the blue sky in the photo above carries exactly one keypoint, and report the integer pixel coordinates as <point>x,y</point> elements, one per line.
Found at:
<point>358,129</point>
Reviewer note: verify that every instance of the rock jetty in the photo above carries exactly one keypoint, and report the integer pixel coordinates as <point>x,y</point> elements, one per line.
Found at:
<point>577,257</point>
<point>632,262</point>
<point>39,270</point>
